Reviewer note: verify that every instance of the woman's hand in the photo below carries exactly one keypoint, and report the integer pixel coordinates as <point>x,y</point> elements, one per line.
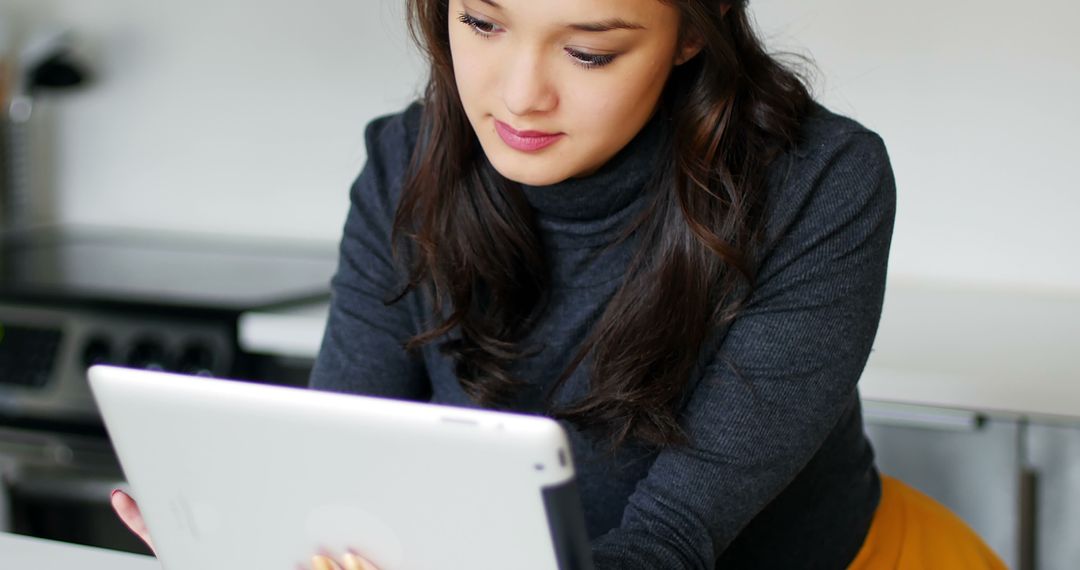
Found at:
<point>128,511</point>
<point>348,562</point>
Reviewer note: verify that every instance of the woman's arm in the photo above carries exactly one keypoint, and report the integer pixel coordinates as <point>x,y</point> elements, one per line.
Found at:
<point>785,372</point>
<point>362,349</point>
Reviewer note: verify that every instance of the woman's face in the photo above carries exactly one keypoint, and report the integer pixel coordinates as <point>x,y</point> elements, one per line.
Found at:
<point>555,88</point>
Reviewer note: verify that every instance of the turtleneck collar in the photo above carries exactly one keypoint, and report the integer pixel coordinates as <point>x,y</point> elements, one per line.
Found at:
<point>609,190</point>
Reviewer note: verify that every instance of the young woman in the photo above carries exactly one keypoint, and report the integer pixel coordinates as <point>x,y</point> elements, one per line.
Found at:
<point>626,215</point>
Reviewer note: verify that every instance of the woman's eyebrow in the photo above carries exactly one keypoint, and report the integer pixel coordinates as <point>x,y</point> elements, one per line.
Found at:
<point>601,26</point>
<point>606,25</point>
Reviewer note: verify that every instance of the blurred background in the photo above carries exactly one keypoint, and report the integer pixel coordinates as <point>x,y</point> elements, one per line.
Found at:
<point>157,147</point>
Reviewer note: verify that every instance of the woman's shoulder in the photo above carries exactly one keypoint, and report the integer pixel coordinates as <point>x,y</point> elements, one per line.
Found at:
<point>838,171</point>
<point>390,138</point>
<point>835,157</point>
<point>824,135</point>
<point>375,193</point>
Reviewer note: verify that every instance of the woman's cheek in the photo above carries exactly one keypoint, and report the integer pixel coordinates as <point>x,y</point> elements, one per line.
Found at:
<point>605,109</point>
<point>474,82</point>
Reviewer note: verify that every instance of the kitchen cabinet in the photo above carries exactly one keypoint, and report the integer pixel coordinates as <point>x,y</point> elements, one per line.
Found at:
<point>969,462</point>
<point>26,552</point>
<point>1053,458</point>
<point>1014,480</point>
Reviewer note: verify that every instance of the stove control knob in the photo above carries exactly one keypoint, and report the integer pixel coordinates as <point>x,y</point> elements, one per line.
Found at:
<point>198,359</point>
<point>98,350</point>
<point>149,354</point>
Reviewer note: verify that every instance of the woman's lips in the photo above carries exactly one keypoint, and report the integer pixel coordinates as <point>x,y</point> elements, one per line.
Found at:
<point>527,141</point>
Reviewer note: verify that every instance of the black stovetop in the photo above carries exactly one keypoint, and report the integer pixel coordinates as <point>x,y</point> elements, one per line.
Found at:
<point>158,269</point>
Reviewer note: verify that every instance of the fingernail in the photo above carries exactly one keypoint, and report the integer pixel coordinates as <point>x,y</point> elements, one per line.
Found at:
<point>351,562</point>
<point>354,562</point>
<point>324,563</point>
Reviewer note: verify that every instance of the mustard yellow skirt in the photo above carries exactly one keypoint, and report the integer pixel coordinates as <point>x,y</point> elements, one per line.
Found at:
<point>912,531</point>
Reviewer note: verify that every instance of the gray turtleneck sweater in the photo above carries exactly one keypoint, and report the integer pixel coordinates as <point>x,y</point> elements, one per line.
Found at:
<point>779,473</point>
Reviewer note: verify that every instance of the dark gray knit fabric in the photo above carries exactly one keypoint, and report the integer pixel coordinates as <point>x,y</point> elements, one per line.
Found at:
<point>779,473</point>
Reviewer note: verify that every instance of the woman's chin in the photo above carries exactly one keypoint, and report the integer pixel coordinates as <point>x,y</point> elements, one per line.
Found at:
<point>538,173</point>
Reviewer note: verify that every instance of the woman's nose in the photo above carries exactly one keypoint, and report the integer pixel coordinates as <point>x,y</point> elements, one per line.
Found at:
<point>528,88</point>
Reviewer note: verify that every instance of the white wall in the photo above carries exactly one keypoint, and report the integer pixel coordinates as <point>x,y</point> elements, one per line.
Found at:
<point>230,116</point>
<point>977,102</point>
<point>246,116</point>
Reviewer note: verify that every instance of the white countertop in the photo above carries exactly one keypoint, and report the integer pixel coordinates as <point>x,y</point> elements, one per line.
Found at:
<point>292,332</point>
<point>25,552</point>
<point>982,350</point>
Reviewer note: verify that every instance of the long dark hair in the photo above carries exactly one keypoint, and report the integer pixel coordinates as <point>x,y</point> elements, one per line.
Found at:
<point>471,243</point>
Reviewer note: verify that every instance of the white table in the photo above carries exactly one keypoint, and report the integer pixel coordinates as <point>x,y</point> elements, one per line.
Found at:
<point>984,350</point>
<point>291,331</point>
<point>987,351</point>
<point>18,552</point>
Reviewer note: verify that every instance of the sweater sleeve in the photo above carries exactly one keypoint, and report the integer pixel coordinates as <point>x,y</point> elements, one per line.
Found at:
<point>784,372</point>
<point>362,347</point>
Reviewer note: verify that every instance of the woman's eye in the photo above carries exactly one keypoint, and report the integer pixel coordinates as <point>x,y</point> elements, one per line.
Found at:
<point>487,29</point>
<point>482,28</point>
<point>590,60</point>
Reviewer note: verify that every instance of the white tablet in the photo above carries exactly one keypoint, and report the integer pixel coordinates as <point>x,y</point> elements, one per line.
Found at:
<point>241,475</point>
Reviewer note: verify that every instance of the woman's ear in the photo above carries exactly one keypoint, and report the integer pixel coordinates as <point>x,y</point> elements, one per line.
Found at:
<point>691,46</point>
<point>693,43</point>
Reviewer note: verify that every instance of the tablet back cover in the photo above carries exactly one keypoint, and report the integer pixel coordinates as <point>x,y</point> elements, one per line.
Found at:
<point>240,475</point>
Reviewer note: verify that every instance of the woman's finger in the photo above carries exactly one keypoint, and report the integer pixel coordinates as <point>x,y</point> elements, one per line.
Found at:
<point>128,511</point>
<point>350,561</point>
<point>319,562</point>
<point>354,562</point>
